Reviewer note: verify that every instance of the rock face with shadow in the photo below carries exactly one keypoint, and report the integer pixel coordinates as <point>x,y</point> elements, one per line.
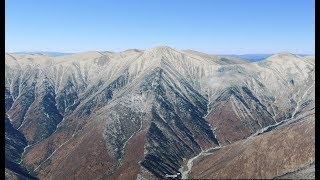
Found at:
<point>15,143</point>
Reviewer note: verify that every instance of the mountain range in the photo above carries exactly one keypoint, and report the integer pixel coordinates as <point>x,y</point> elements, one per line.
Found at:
<point>142,114</point>
<point>257,57</point>
<point>250,57</point>
<point>43,53</point>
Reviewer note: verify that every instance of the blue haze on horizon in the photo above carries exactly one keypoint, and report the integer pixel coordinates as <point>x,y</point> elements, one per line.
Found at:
<point>210,26</point>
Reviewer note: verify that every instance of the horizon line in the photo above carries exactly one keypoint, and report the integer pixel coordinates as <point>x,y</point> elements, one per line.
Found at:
<point>64,52</point>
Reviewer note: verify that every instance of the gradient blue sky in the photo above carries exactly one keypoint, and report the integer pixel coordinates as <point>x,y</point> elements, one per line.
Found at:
<point>211,26</point>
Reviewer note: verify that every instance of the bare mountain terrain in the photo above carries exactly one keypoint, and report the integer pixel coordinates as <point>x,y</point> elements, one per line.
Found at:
<point>141,114</point>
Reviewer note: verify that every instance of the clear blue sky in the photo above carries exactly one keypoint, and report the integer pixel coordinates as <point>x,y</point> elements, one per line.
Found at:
<point>211,26</point>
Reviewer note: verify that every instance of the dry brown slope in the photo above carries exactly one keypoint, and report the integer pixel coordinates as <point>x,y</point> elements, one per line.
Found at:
<point>270,155</point>
<point>303,173</point>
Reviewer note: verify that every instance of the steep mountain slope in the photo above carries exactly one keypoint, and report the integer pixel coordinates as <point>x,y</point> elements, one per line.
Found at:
<point>15,143</point>
<point>284,150</point>
<point>108,115</point>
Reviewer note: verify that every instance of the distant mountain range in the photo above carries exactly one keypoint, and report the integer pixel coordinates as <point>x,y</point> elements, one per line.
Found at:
<point>256,57</point>
<point>250,57</point>
<point>43,52</point>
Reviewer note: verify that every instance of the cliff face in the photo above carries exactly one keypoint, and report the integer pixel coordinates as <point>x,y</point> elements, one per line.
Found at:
<point>144,113</point>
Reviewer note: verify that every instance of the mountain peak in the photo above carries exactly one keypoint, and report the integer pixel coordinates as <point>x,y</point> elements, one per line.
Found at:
<point>284,55</point>
<point>160,49</point>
